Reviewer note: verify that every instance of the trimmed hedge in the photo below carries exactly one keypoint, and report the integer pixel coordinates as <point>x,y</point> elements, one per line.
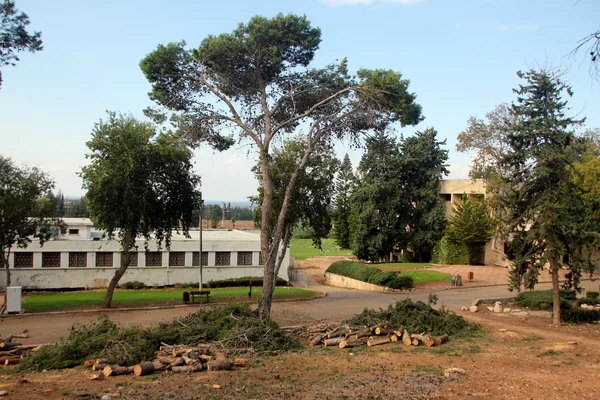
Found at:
<point>134,285</point>
<point>580,315</point>
<point>592,295</point>
<point>244,281</point>
<point>536,298</point>
<point>361,272</point>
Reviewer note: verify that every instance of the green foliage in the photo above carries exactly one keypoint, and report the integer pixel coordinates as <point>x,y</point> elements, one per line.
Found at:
<point>245,281</point>
<point>14,37</point>
<point>534,298</point>
<point>367,274</point>
<point>422,276</point>
<point>401,282</point>
<point>580,315</point>
<point>302,232</point>
<point>472,225</point>
<point>139,184</point>
<point>134,285</point>
<point>447,251</point>
<point>418,317</point>
<point>541,211</point>
<point>77,209</point>
<point>589,302</point>
<point>344,184</point>
<point>25,210</point>
<point>592,295</point>
<point>235,326</point>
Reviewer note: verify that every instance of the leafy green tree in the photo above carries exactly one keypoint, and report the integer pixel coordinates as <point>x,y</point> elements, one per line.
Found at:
<point>310,202</point>
<point>77,209</point>
<point>257,80</point>
<point>488,139</point>
<point>380,201</point>
<point>25,213</point>
<point>471,224</point>
<point>139,184</point>
<point>215,216</point>
<point>344,184</point>
<point>423,165</point>
<point>14,37</point>
<point>543,214</point>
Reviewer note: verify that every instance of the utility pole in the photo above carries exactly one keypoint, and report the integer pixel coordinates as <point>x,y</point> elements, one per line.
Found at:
<point>200,241</point>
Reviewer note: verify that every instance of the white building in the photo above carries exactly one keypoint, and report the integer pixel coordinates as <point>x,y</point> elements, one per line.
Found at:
<point>81,258</point>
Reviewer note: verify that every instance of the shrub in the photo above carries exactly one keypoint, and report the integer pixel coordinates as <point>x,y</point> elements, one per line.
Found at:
<point>418,317</point>
<point>536,298</point>
<point>134,285</point>
<point>448,252</point>
<point>186,285</point>
<point>580,315</point>
<point>406,257</point>
<point>589,302</point>
<point>382,278</point>
<point>401,282</point>
<point>241,282</point>
<point>592,295</point>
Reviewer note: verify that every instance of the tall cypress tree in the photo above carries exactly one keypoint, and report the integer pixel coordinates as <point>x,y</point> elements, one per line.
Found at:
<point>344,185</point>
<point>541,210</point>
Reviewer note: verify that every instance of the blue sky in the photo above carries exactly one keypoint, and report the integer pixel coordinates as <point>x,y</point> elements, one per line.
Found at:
<point>461,57</point>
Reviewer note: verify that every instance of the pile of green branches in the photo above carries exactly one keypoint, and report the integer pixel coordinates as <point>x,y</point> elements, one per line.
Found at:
<point>234,328</point>
<point>418,317</point>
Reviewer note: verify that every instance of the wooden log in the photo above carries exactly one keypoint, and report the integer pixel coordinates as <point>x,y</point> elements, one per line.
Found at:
<point>361,334</point>
<point>352,343</point>
<point>316,340</point>
<point>9,345</point>
<point>378,341</point>
<point>143,368</point>
<point>384,324</point>
<point>12,361</point>
<point>188,361</point>
<point>379,331</point>
<point>158,366</point>
<point>426,339</point>
<point>437,340</point>
<point>206,357</point>
<point>204,348</point>
<point>187,368</point>
<point>166,360</point>
<point>219,365</point>
<point>220,356</point>
<point>99,367</point>
<point>176,362</point>
<point>415,342</point>
<point>178,352</point>
<point>96,376</point>
<point>406,338</point>
<point>394,337</point>
<point>114,370</point>
<point>89,363</point>
<point>333,342</point>
<point>241,362</point>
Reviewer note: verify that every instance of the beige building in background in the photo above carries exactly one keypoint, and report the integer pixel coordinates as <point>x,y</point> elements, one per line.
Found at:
<point>451,192</point>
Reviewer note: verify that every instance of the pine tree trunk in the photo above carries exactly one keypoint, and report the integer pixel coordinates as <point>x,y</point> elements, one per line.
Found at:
<point>120,272</point>
<point>265,236</point>
<point>555,291</point>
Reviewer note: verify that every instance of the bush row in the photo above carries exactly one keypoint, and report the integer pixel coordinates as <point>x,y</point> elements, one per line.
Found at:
<point>363,273</point>
<point>232,282</point>
<point>537,297</point>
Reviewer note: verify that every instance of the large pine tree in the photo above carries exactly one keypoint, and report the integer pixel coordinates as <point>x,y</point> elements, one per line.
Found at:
<point>541,210</point>
<point>344,185</point>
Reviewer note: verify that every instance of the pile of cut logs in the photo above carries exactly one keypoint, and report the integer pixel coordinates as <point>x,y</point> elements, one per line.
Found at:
<point>12,352</point>
<point>345,336</point>
<point>174,358</point>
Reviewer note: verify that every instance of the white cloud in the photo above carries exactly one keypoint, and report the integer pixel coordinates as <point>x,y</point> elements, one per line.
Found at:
<point>336,3</point>
<point>458,171</point>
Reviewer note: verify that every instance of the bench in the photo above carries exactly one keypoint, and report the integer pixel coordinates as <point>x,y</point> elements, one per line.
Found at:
<point>200,293</point>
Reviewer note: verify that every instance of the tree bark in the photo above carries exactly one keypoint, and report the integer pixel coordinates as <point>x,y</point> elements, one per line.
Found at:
<point>120,272</point>
<point>555,291</point>
<point>143,368</point>
<point>218,365</point>
<point>265,235</point>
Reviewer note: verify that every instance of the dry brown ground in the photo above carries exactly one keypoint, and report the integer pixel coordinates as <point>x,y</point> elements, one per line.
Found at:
<point>531,359</point>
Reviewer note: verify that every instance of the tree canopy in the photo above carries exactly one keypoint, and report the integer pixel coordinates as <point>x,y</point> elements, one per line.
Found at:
<point>140,184</point>
<point>542,212</point>
<point>257,82</point>
<point>24,212</point>
<point>344,186</point>
<point>14,37</point>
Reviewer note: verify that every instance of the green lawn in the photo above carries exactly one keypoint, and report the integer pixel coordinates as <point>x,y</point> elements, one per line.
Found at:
<point>301,249</point>
<point>92,299</point>
<point>400,267</point>
<point>423,276</point>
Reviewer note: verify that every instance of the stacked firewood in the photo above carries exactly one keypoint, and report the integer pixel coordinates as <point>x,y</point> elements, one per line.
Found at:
<point>12,352</point>
<point>345,336</point>
<point>174,358</point>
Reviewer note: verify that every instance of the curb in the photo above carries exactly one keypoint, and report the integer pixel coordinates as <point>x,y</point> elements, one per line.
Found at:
<point>318,295</point>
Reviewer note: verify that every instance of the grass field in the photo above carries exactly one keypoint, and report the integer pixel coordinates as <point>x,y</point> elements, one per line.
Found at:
<point>92,299</point>
<point>400,267</point>
<point>423,276</point>
<point>301,249</point>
